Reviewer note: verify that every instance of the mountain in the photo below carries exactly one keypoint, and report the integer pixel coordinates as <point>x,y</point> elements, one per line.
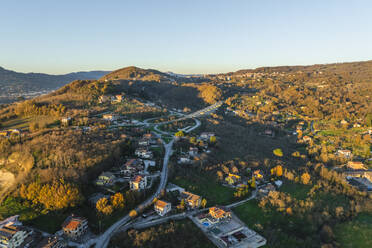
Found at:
<point>135,73</point>
<point>15,84</point>
<point>40,81</point>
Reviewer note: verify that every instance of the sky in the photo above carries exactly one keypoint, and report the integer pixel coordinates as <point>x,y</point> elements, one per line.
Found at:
<point>193,36</point>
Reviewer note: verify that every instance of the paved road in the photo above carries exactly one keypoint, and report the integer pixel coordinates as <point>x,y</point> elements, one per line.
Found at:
<point>103,240</point>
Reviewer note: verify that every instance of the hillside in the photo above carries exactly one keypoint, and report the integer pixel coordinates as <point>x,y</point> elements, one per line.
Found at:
<point>135,73</point>
<point>16,84</point>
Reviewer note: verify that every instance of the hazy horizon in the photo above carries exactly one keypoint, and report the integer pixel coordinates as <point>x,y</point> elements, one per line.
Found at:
<point>190,37</point>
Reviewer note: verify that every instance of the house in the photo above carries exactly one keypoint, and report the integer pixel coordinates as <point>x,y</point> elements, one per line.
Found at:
<point>148,136</point>
<point>117,98</point>
<point>264,191</point>
<point>206,135</point>
<point>110,117</point>
<point>219,213</point>
<point>354,165</point>
<point>132,166</point>
<point>193,151</point>
<point>104,98</point>
<point>306,139</point>
<point>343,122</point>
<point>162,207</point>
<point>52,242</point>
<point>191,200</point>
<point>138,183</point>
<point>258,174</point>
<point>232,179</point>
<point>106,178</point>
<point>74,227</point>
<point>144,142</point>
<point>66,121</point>
<point>268,132</point>
<point>344,153</point>
<point>143,153</point>
<point>13,235</point>
<point>184,159</point>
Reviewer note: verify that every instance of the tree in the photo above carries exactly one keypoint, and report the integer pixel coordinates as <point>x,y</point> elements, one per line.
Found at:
<point>278,152</point>
<point>103,206</point>
<point>305,178</point>
<point>117,200</point>
<point>253,182</point>
<point>133,213</point>
<point>179,134</point>
<point>204,203</point>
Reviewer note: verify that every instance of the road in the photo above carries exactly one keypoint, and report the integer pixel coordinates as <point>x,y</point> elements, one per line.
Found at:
<point>103,240</point>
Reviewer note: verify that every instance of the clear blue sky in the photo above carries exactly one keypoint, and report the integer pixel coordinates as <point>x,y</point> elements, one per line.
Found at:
<point>191,36</point>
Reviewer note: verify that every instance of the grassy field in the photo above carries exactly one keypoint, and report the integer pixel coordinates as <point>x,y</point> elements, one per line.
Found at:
<point>207,188</point>
<point>276,227</point>
<point>24,122</point>
<point>296,190</point>
<point>356,233</point>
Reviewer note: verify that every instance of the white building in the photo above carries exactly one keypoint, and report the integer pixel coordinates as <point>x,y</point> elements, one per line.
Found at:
<point>162,207</point>
<point>12,236</point>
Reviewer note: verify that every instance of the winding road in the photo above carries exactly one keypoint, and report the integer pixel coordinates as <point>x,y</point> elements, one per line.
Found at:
<point>103,240</point>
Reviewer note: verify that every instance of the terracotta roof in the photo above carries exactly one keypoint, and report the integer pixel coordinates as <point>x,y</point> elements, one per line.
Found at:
<point>191,196</point>
<point>218,213</point>
<point>73,224</point>
<point>138,179</point>
<point>161,204</point>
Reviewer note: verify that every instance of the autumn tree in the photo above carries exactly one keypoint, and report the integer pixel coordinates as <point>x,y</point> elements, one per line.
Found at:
<point>103,206</point>
<point>305,178</point>
<point>117,201</point>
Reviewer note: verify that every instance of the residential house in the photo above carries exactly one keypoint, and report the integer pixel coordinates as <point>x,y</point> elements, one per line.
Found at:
<point>148,136</point>
<point>104,98</point>
<point>110,117</point>
<point>132,166</point>
<point>106,178</point>
<point>306,139</point>
<point>193,151</point>
<point>344,122</point>
<point>258,174</point>
<point>344,153</point>
<point>232,179</point>
<point>206,135</point>
<point>117,98</point>
<point>143,153</point>
<point>219,213</point>
<point>162,207</point>
<point>191,200</point>
<point>184,159</point>
<point>74,227</point>
<point>354,165</point>
<point>268,132</point>
<point>52,242</point>
<point>13,236</point>
<point>66,121</point>
<point>144,142</point>
<point>138,183</point>
<point>264,191</point>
